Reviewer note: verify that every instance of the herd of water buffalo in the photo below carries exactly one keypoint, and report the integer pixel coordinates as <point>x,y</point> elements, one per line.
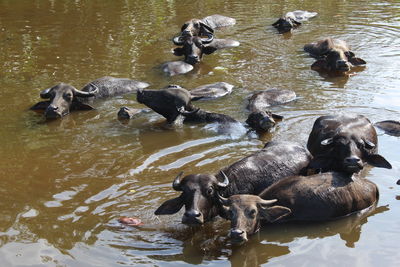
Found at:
<point>284,181</point>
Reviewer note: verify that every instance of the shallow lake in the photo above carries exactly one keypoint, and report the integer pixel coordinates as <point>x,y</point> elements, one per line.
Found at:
<point>65,183</point>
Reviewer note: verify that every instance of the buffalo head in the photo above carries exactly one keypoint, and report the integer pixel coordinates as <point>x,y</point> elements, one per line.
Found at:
<point>349,154</point>
<point>196,27</point>
<point>262,120</point>
<point>198,196</point>
<point>285,24</point>
<point>62,99</point>
<point>193,47</point>
<point>337,60</point>
<point>246,212</point>
<point>333,55</point>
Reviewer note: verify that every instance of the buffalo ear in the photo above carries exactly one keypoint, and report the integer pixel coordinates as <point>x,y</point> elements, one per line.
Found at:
<point>320,64</point>
<point>77,105</point>
<point>170,207</point>
<point>277,117</point>
<point>297,23</point>
<point>277,22</point>
<point>209,49</point>
<point>178,51</point>
<point>378,161</point>
<point>42,105</point>
<point>274,213</point>
<point>356,61</point>
<point>184,26</point>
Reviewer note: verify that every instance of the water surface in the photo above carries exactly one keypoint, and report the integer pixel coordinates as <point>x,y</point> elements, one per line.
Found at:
<point>65,183</point>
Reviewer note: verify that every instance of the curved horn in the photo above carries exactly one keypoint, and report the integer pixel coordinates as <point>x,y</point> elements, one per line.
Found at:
<point>222,200</point>
<point>80,93</point>
<point>177,182</point>
<point>207,40</point>
<point>327,141</point>
<point>267,202</point>
<point>45,93</point>
<point>369,144</point>
<point>178,40</point>
<point>225,183</point>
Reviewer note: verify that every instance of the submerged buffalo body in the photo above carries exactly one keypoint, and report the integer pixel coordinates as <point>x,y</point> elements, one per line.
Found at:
<point>249,175</point>
<point>264,99</point>
<point>344,143</point>
<point>332,55</point>
<point>64,98</point>
<point>299,198</point>
<point>390,127</point>
<point>292,20</point>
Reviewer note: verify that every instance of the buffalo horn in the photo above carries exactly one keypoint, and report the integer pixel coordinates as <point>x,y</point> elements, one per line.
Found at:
<point>178,40</point>
<point>222,200</point>
<point>45,93</point>
<point>327,141</point>
<point>80,93</point>
<point>225,182</point>
<point>369,144</point>
<point>176,185</point>
<point>267,202</point>
<point>209,39</point>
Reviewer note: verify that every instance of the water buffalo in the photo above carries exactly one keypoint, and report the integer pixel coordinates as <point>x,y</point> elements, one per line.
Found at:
<point>64,98</point>
<point>249,175</point>
<point>390,127</point>
<point>318,197</point>
<point>262,121</point>
<point>292,20</point>
<point>344,143</point>
<point>332,55</point>
<point>193,47</point>
<point>205,26</point>
<point>170,102</point>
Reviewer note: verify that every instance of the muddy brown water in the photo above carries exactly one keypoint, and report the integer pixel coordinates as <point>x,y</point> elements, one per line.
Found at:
<point>65,183</point>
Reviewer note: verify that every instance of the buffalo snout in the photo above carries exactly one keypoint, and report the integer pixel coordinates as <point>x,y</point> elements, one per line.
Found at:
<point>53,112</point>
<point>193,217</point>
<point>238,236</point>
<point>353,164</point>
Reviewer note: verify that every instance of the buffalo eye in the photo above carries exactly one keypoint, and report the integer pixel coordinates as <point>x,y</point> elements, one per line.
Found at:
<point>68,96</point>
<point>252,213</point>
<point>210,191</point>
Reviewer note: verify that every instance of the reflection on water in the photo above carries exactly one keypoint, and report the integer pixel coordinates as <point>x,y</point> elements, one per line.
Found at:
<point>66,182</point>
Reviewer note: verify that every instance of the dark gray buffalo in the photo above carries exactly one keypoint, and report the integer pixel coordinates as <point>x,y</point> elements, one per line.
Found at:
<point>64,98</point>
<point>170,102</point>
<point>205,26</point>
<point>292,20</point>
<point>318,197</point>
<point>250,175</point>
<point>260,118</point>
<point>332,55</point>
<point>344,143</point>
